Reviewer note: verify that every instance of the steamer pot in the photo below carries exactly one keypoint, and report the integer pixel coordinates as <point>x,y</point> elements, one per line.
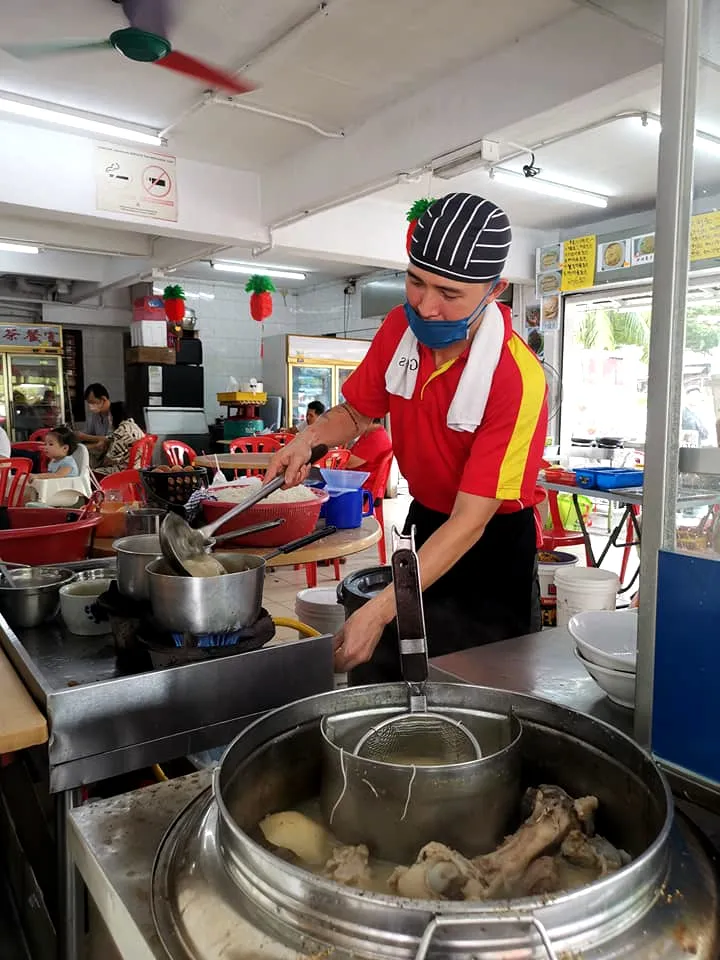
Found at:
<point>212,874</point>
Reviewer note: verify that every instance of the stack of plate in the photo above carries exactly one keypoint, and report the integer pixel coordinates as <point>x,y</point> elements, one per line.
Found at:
<point>606,645</point>
<point>318,607</point>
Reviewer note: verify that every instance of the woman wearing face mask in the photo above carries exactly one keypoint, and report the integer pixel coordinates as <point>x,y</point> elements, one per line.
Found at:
<point>467,403</point>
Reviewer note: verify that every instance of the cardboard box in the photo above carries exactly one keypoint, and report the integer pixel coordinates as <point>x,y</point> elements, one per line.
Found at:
<point>149,333</point>
<point>154,355</point>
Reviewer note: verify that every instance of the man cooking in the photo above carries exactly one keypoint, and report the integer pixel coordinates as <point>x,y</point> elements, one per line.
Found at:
<point>467,401</point>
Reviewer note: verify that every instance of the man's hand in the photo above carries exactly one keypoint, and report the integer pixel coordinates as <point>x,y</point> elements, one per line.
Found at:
<point>291,460</point>
<point>355,643</point>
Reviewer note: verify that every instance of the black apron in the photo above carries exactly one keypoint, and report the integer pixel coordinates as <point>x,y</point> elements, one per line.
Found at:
<point>491,593</point>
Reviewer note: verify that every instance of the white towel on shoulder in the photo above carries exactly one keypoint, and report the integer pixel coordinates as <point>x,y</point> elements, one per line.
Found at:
<point>468,405</point>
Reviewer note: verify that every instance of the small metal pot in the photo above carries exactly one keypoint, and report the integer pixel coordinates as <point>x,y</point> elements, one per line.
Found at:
<point>201,605</point>
<point>36,596</point>
<point>133,555</point>
<point>144,520</point>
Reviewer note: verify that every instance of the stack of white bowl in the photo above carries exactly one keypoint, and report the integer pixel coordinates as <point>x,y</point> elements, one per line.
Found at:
<point>318,607</point>
<point>606,645</point>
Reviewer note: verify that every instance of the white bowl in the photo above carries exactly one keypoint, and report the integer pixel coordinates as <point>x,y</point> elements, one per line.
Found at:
<point>617,685</point>
<point>76,601</point>
<point>607,638</point>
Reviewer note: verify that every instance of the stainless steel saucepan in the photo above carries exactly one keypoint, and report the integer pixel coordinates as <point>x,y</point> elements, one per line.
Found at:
<point>201,605</point>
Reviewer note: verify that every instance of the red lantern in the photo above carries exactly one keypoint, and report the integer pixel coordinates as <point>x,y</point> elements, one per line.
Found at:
<point>261,290</point>
<point>174,301</point>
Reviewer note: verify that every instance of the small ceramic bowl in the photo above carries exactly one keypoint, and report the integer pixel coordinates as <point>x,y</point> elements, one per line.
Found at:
<point>76,607</point>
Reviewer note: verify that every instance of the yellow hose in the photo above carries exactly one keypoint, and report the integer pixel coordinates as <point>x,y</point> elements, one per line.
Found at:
<point>302,628</point>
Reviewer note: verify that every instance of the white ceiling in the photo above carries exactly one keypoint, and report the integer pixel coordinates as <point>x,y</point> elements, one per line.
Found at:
<point>318,271</point>
<point>360,56</point>
<point>618,159</point>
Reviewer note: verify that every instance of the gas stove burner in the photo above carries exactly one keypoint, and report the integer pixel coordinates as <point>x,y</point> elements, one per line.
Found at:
<point>209,639</point>
<point>171,649</point>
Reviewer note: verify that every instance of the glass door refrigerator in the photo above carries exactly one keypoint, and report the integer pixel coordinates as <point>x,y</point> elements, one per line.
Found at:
<point>302,369</point>
<point>31,378</point>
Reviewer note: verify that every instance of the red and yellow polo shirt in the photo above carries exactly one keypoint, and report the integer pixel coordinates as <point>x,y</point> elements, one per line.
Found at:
<point>500,460</point>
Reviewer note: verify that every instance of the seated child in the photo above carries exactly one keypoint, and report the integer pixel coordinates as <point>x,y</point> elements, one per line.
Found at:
<point>59,443</point>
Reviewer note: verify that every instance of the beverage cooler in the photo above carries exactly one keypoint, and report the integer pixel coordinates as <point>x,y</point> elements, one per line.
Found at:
<point>302,369</point>
<point>31,378</point>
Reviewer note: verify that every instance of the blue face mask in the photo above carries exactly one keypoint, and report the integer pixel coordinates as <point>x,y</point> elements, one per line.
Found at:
<point>436,334</point>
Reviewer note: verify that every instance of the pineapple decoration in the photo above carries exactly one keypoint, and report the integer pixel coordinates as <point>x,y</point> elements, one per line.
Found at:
<point>261,290</point>
<point>174,301</point>
<point>414,214</point>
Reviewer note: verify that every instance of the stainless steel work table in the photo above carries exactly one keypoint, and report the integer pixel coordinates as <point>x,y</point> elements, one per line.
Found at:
<point>103,723</point>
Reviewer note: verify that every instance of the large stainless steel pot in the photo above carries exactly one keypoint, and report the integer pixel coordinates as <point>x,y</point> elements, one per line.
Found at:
<point>133,555</point>
<point>201,605</point>
<point>215,883</point>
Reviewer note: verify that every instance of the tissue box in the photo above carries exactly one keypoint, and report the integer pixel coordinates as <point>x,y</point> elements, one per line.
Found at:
<point>149,333</point>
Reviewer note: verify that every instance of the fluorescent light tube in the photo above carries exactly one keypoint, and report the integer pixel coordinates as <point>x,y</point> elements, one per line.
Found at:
<point>248,269</point>
<point>703,141</point>
<point>548,188</point>
<point>189,294</point>
<point>9,246</point>
<point>77,122</point>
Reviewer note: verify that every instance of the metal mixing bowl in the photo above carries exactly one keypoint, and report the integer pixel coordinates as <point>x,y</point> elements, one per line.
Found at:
<point>36,596</point>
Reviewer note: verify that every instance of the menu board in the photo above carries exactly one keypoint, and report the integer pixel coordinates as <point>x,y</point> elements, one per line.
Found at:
<point>578,270</point>
<point>613,256</point>
<point>705,236</point>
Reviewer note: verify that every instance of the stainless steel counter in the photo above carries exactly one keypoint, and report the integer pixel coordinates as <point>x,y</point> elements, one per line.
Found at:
<point>103,724</point>
<point>541,664</point>
<point>114,841</point>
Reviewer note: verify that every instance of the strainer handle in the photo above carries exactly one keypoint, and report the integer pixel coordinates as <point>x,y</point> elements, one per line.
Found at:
<point>409,609</point>
<point>437,922</point>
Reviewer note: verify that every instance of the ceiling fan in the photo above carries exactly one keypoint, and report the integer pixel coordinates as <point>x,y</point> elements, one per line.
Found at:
<point>143,40</point>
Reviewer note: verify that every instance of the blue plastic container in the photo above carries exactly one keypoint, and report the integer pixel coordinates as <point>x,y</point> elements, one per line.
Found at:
<point>609,478</point>
<point>346,510</point>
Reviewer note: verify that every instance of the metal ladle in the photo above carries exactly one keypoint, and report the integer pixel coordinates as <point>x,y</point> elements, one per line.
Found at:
<point>183,546</point>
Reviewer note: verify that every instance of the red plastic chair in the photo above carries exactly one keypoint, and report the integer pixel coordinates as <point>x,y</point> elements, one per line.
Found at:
<point>263,444</point>
<point>33,446</point>
<point>282,438</point>
<point>141,452</point>
<point>39,434</point>
<point>14,475</point>
<point>377,483</point>
<point>558,537</point>
<point>128,482</point>
<point>176,452</point>
<point>334,460</point>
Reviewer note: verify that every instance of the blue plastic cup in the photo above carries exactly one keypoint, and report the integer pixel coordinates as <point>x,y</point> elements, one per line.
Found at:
<point>348,509</point>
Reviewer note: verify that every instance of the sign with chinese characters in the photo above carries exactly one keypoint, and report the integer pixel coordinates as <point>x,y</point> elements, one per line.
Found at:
<point>136,182</point>
<point>27,336</point>
<point>578,271</point>
<point>705,236</point>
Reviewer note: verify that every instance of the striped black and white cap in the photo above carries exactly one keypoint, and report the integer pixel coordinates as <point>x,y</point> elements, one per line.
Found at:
<point>462,237</point>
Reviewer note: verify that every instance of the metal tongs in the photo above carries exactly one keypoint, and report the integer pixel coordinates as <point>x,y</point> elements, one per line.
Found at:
<point>181,543</point>
<point>418,736</point>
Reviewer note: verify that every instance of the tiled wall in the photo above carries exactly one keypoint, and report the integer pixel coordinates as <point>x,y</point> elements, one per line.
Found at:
<point>230,337</point>
<point>327,309</point>
<point>103,358</point>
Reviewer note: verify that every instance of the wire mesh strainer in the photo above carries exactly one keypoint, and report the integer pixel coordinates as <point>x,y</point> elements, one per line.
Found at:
<point>418,737</point>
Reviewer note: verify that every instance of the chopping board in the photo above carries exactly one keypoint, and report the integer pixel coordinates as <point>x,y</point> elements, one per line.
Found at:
<point>21,723</point>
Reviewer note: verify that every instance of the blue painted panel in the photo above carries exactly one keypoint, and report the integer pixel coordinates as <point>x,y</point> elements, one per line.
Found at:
<point>686,708</point>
